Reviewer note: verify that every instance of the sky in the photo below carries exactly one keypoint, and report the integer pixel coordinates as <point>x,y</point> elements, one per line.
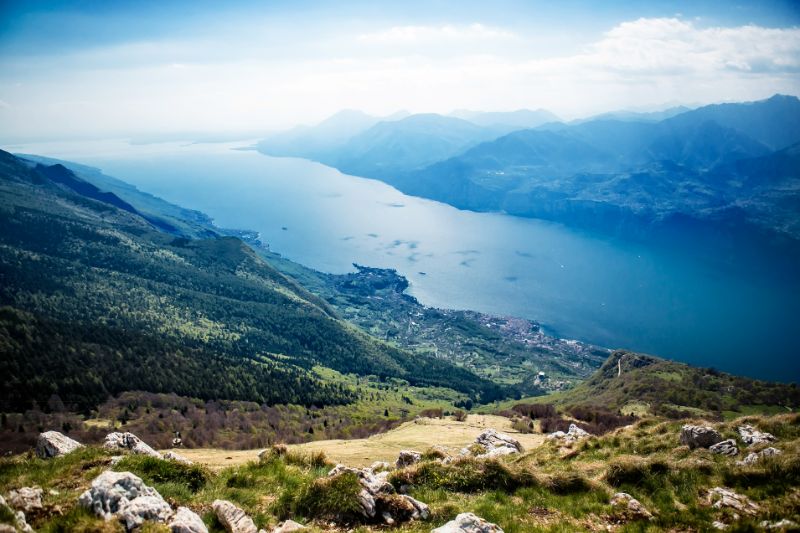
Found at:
<point>96,69</point>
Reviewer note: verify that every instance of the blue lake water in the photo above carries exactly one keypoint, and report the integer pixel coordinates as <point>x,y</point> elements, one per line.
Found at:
<point>735,314</point>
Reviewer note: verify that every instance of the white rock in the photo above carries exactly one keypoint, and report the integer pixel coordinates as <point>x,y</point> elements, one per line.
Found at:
<point>716,524</point>
<point>53,444</point>
<point>233,519</point>
<point>784,524</point>
<point>720,497</point>
<point>288,527</point>
<point>20,524</point>
<point>468,523</point>
<point>408,458</point>
<point>143,508</point>
<point>367,503</point>
<point>128,441</point>
<point>573,435</point>
<point>751,436</point>
<point>491,439</point>
<point>187,521</point>
<point>626,503</point>
<point>178,458</point>
<point>699,436</point>
<point>753,457</point>
<point>421,510</point>
<point>379,466</point>
<point>725,447</point>
<point>26,499</point>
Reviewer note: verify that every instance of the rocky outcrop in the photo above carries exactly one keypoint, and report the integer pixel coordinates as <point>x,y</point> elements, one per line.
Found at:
<point>574,434</point>
<point>129,441</point>
<point>783,525</point>
<point>186,521</point>
<point>721,498</point>
<point>178,458</point>
<point>497,444</point>
<point>53,444</point>
<point>725,447</point>
<point>20,523</point>
<point>408,458</point>
<point>629,507</point>
<point>754,457</point>
<point>26,499</point>
<point>751,436</point>
<point>468,523</point>
<point>125,496</point>
<point>380,466</point>
<point>233,519</point>
<point>288,527</point>
<point>699,436</point>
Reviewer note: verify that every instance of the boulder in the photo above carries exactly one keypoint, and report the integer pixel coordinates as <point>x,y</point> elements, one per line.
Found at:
<point>468,523</point>
<point>186,521</point>
<point>493,440</point>
<point>124,495</point>
<point>379,466</point>
<point>725,447</point>
<point>753,457</point>
<point>129,441</point>
<point>53,444</point>
<point>751,436</point>
<point>699,436</point>
<point>20,524</point>
<point>366,501</point>
<point>421,510</point>
<point>625,504</point>
<point>784,525</point>
<point>408,458</point>
<point>720,498</point>
<point>26,499</point>
<point>572,435</point>
<point>233,519</point>
<point>288,527</point>
<point>178,458</point>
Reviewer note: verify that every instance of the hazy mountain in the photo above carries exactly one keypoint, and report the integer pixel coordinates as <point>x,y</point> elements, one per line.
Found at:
<point>520,119</point>
<point>636,116</point>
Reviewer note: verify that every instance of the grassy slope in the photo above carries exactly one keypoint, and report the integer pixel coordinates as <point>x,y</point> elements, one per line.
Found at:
<point>640,383</point>
<point>549,488</point>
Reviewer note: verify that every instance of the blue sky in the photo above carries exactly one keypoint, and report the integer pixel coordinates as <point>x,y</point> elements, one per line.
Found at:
<point>129,68</point>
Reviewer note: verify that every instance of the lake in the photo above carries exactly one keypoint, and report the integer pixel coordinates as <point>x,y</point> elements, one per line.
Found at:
<point>737,314</point>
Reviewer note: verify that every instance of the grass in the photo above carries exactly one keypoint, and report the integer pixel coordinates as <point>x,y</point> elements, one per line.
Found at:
<point>548,488</point>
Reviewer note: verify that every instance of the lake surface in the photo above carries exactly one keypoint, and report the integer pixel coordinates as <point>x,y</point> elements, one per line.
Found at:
<point>737,314</point>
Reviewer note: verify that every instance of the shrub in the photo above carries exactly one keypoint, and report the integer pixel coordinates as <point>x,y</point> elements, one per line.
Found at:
<point>535,411</point>
<point>600,420</point>
<point>568,483</point>
<point>459,415</point>
<point>633,470</point>
<point>432,413</point>
<point>154,470</point>
<point>465,475</point>
<point>432,454</point>
<point>330,498</point>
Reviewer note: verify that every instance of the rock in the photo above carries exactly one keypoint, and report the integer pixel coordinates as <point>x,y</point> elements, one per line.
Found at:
<point>421,510</point>
<point>408,458</point>
<point>128,441</point>
<point>53,444</point>
<point>725,447</point>
<point>124,495</point>
<point>20,524</point>
<point>379,466</point>
<point>493,440</point>
<point>720,497</point>
<point>186,521</point>
<point>751,436</point>
<point>367,503</point>
<point>753,457</point>
<point>629,506</point>
<point>573,435</point>
<point>784,524</point>
<point>468,523</point>
<point>233,519</point>
<point>143,508</point>
<point>288,527</point>
<point>178,458</point>
<point>26,499</point>
<point>699,436</point>
<point>716,524</point>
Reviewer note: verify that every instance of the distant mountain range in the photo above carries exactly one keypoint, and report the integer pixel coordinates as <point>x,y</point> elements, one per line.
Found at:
<point>728,166</point>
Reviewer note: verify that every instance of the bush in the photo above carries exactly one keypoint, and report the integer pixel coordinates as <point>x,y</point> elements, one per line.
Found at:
<point>330,498</point>
<point>459,415</point>
<point>431,454</point>
<point>633,470</point>
<point>153,470</point>
<point>432,413</point>
<point>568,483</point>
<point>465,475</point>
<point>535,411</point>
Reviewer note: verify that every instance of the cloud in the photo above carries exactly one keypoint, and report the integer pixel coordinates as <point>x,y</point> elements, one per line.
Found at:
<point>431,34</point>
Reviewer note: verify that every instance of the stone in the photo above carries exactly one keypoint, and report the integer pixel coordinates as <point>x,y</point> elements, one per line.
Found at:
<point>26,499</point>
<point>124,495</point>
<point>784,524</point>
<point>178,458</point>
<point>699,436</point>
<point>751,436</point>
<point>20,524</point>
<point>753,457</point>
<point>152,508</point>
<point>129,441</point>
<point>725,447</point>
<point>367,503</point>
<point>629,506</point>
<point>468,523</point>
<point>288,526</point>
<point>53,444</point>
<point>720,497</point>
<point>492,440</point>
<point>421,510</point>
<point>572,435</point>
<point>408,458</point>
<point>716,524</point>
<point>379,466</point>
<point>233,519</point>
<point>186,521</point>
